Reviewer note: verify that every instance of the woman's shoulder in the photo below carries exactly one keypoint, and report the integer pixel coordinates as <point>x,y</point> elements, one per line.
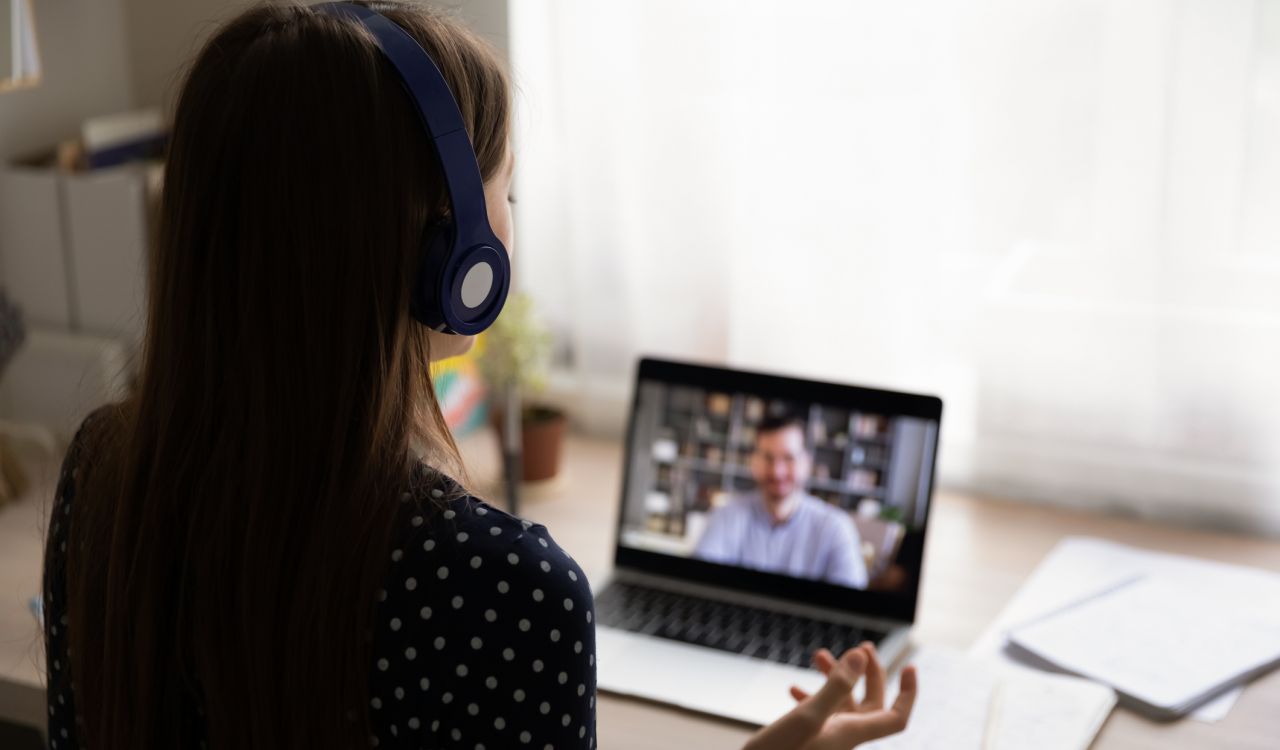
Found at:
<point>448,533</point>
<point>484,630</point>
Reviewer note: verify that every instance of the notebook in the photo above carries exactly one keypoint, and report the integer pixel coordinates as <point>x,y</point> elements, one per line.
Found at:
<point>1080,567</point>
<point>969,703</point>
<point>1166,647</point>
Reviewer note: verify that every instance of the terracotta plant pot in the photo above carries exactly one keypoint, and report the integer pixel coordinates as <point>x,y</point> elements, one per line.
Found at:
<point>542,432</point>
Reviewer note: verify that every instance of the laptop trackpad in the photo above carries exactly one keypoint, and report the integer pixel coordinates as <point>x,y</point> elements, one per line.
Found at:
<point>697,678</point>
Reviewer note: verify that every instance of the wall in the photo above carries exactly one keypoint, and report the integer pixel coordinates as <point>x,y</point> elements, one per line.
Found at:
<point>102,56</point>
<point>86,71</point>
<point>163,35</point>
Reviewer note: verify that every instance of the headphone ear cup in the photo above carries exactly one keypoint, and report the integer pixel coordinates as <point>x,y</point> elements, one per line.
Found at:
<point>429,293</point>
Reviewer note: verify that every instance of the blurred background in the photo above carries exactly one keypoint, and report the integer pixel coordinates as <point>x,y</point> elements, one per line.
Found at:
<point>1062,217</point>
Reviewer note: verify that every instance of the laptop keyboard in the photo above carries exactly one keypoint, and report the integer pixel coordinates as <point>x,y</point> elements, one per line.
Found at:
<point>739,629</point>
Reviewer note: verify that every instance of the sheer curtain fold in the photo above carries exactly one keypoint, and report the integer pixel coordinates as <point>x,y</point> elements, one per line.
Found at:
<point>1059,216</point>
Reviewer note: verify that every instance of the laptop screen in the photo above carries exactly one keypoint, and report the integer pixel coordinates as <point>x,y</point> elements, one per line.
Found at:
<point>814,491</point>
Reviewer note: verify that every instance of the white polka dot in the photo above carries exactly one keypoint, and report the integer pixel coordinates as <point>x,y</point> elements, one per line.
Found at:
<point>566,720</point>
<point>414,723</point>
<point>518,695</point>
<point>425,613</point>
<point>476,643</point>
<point>513,558</point>
<point>525,737</point>
<point>442,573</point>
<point>457,602</point>
<point>449,514</point>
<point>416,521</point>
<point>544,708</point>
<point>546,566</point>
<point>446,698</point>
<point>555,635</point>
<point>494,530</point>
<point>524,625</point>
<point>588,615</point>
<point>399,693</point>
<point>383,664</point>
<point>537,665</point>
<point>395,623</point>
<point>503,587</point>
<point>591,660</point>
<point>508,654</point>
<point>424,683</point>
<point>439,643</point>
<point>395,731</point>
<point>500,723</point>
<point>480,511</point>
<point>396,555</point>
<point>463,536</point>
<point>376,703</point>
<point>582,731</point>
<point>476,561</point>
<point>411,583</point>
<point>491,682</point>
<point>525,525</point>
<point>537,595</point>
<point>577,647</point>
<point>473,709</point>
<point>461,670</point>
<point>382,595</point>
<point>411,653</point>
<point>573,576</point>
<point>435,725</point>
<point>456,734</point>
<point>582,690</point>
<point>437,493</point>
<point>490,615</point>
<point>428,545</point>
<point>543,542</point>
<point>562,678</point>
<point>568,604</point>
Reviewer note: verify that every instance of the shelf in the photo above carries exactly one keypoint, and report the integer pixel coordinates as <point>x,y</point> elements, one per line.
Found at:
<point>827,485</point>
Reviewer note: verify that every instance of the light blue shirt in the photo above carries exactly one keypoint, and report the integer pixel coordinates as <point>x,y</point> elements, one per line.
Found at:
<point>817,541</point>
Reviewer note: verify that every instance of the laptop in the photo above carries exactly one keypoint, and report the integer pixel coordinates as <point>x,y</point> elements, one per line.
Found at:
<point>762,517</point>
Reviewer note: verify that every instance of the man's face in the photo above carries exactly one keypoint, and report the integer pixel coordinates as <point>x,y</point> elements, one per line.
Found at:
<point>780,463</point>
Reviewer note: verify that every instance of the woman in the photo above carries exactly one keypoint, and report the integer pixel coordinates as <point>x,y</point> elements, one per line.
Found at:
<point>262,547</point>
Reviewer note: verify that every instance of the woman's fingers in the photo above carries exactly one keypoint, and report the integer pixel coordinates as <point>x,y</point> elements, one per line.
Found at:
<point>823,659</point>
<point>854,729</point>
<point>874,698</point>
<point>799,694</point>
<point>835,692</point>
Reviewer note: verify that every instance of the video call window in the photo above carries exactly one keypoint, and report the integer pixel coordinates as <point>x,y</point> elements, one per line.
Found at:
<point>802,489</point>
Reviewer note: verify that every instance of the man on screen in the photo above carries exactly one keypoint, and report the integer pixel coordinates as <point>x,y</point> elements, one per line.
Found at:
<point>778,527</point>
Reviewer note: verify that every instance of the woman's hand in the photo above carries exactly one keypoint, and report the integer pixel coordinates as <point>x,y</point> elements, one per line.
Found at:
<point>831,719</point>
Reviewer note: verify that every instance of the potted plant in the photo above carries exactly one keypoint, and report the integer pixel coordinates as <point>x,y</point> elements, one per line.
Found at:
<point>514,361</point>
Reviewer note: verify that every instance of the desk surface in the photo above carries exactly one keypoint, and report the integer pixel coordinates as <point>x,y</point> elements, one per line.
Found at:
<point>978,554</point>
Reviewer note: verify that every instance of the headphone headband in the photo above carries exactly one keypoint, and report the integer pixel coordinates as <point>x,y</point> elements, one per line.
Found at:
<point>465,274</point>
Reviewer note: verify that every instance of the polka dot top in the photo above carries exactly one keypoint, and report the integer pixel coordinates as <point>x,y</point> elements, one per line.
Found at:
<point>484,637</point>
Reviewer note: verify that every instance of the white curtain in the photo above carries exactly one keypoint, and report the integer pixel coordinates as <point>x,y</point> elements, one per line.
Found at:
<point>1061,216</point>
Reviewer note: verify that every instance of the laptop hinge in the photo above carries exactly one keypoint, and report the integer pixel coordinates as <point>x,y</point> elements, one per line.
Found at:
<point>734,596</point>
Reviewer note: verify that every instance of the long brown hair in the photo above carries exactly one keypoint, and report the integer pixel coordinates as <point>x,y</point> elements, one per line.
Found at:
<point>234,515</point>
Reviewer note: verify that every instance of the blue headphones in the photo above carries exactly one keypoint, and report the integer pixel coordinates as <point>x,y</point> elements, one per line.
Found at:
<point>464,273</point>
